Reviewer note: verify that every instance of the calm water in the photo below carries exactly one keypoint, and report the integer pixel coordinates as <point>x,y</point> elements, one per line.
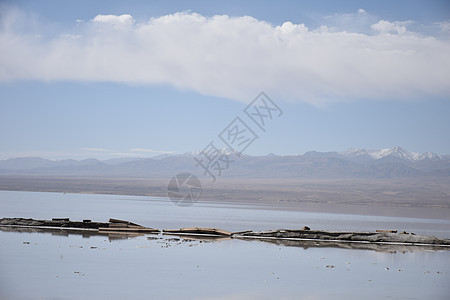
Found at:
<point>36,265</point>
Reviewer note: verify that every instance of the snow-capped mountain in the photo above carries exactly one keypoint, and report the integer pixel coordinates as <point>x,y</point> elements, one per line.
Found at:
<point>395,152</point>
<point>430,156</point>
<point>354,163</point>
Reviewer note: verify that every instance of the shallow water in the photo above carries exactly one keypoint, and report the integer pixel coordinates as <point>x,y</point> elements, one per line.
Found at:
<point>41,265</point>
<point>161,213</point>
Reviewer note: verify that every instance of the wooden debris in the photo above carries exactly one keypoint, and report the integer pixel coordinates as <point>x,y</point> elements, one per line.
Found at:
<point>387,237</point>
<point>242,232</point>
<point>199,230</point>
<point>129,229</point>
<point>65,223</point>
<point>122,221</point>
<point>117,225</point>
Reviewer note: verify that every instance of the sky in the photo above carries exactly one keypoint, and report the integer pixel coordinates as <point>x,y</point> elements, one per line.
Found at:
<point>106,79</point>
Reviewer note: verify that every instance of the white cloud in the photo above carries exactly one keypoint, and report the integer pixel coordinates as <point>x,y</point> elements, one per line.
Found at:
<point>95,149</point>
<point>122,20</point>
<point>125,154</point>
<point>444,26</point>
<point>143,150</point>
<point>86,152</point>
<point>357,22</point>
<point>236,58</point>
<point>384,27</point>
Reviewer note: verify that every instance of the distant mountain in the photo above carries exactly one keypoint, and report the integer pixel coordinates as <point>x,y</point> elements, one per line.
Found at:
<point>353,163</point>
<point>24,163</point>
<point>32,163</point>
<point>120,160</point>
<point>392,153</point>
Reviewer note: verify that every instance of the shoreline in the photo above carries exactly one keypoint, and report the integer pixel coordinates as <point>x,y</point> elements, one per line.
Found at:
<point>430,213</point>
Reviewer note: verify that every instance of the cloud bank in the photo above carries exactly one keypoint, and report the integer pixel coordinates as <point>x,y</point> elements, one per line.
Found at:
<point>234,57</point>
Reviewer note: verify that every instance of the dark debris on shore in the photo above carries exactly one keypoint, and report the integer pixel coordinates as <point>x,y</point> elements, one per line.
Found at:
<point>303,236</point>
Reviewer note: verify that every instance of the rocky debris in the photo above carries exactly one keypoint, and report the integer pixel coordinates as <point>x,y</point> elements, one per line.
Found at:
<point>337,236</point>
<point>55,222</point>
<point>387,230</point>
<point>378,247</point>
<point>381,240</point>
<point>113,225</point>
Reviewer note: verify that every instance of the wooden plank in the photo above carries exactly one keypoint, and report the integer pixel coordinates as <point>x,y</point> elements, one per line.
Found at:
<point>200,230</point>
<point>143,229</point>
<point>111,220</point>
<point>121,225</point>
<point>117,225</point>
<point>200,237</point>
<point>136,226</point>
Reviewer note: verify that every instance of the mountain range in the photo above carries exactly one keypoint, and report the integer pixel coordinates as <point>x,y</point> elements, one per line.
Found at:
<point>353,163</point>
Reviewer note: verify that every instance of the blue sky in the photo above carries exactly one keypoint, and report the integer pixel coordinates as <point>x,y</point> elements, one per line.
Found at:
<point>140,78</point>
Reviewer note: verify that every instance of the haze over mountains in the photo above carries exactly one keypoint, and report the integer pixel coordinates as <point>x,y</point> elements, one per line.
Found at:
<point>353,163</point>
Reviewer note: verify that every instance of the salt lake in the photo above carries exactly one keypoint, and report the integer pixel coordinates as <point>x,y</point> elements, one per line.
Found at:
<point>46,265</point>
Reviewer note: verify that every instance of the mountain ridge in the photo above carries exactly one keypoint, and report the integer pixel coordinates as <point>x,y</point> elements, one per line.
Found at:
<point>353,163</point>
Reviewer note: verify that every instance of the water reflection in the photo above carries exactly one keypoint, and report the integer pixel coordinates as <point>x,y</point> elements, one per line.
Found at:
<point>71,232</point>
<point>204,238</point>
<point>169,239</point>
<point>77,264</point>
<point>388,248</point>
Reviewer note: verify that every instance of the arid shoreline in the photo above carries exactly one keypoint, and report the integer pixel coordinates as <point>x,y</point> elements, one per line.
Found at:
<point>399,197</point>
